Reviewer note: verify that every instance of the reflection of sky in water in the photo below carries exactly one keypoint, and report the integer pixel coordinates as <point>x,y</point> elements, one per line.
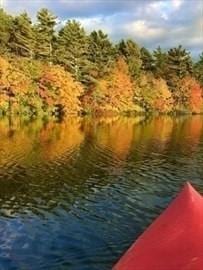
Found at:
<point>74,195</point>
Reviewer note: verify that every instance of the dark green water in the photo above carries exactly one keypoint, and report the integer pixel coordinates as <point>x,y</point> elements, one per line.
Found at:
<point>74,195</point>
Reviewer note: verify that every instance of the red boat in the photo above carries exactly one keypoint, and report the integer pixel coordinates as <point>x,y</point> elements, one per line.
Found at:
<point>174,241</point>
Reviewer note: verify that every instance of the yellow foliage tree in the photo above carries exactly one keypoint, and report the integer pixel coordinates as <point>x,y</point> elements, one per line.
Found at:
<point>153,94</point>
<point>58,89</point>
<point>14,85</point>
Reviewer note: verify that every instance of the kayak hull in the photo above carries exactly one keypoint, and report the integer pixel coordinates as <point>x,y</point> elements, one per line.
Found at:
<point>174,241</point>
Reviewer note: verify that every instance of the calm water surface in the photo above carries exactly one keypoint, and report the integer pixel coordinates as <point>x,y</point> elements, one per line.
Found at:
<point>75,194</point>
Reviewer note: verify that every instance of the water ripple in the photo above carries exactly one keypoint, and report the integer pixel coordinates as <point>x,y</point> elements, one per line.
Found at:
<point>74,195</point>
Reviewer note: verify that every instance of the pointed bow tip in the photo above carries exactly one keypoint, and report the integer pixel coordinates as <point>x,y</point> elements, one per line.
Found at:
<point>188,186</point>
<point>189,191</point>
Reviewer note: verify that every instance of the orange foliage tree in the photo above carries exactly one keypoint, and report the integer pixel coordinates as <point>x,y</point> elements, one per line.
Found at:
<point>113,94</point>
<point>193,93</point>
<point>59,90</point>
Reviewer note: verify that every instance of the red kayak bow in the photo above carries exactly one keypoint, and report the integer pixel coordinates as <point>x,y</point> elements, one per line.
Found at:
<point>174,241</point>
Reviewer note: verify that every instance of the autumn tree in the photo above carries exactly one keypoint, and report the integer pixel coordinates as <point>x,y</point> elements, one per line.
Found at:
<point>153,94</point>
<point>192,93</point>
<point>14,87</point>
<point>113,94</point>
<point>163,101</point>
<point>59,91</point>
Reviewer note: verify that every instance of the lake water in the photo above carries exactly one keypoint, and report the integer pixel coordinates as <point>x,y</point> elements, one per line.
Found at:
<point>75,194</point>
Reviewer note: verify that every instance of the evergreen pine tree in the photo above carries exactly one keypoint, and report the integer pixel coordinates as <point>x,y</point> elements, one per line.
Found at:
<point>147,60</point>
<point>198,69</point>
<point>6,23</point>
<point>21,39</point>
<point>44,32</point>
<point>131,51</point>
<point>178,65</point>
<point>179,62</point>
<point>160,58</point>
<point>71,49</point>
<point>101,53</point>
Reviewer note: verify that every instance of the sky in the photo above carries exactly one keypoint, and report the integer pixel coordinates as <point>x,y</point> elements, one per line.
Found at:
<point>150,23</point>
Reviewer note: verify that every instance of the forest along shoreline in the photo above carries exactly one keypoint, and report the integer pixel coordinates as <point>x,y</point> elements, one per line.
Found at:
<point>46,72</point>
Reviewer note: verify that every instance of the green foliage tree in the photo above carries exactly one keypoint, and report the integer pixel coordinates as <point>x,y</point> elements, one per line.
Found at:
<point>179,62</point>
<point>147,60</point>
<point>6,24</point>
<point>198,69</point>
<point>131,51</point>
<point>101,54</point>
<point>21,38</point>
<point>179,65</point>
<point>160,67</point>
<point>71,49</point>
<point>44,33</point>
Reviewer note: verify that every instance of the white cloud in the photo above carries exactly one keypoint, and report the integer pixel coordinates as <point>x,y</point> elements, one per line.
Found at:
<point>164,16</point>
<point>96,23</point>
<point>142,29</point>
<point>177,4</point>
